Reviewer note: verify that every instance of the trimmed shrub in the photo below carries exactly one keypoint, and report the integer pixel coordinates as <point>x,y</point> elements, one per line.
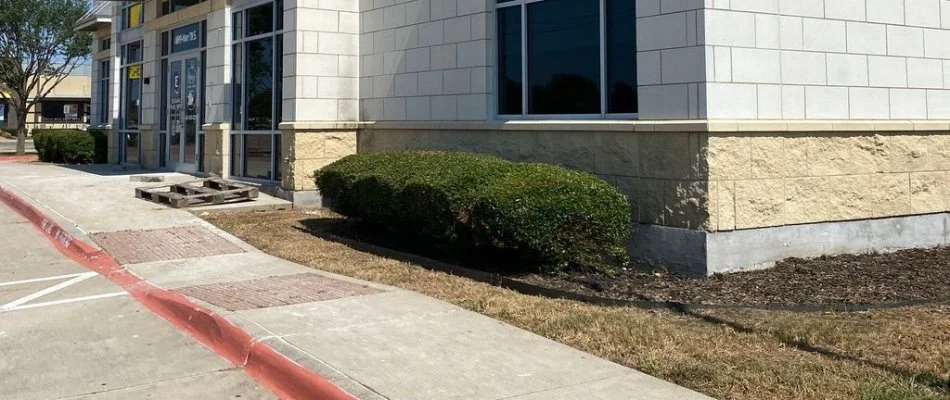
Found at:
<point>64,146</point>
<point>559,217</point>
<point>544,215</point>
<point>101,140</point>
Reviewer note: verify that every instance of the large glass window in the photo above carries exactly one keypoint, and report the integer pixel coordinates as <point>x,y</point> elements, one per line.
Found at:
<point>130,112</point>
<point>170,6</point>
<point>105,94</point>
<point>567,57</point>
<point>62,111</point>
<point>132,14</point>
<point>256,91</point>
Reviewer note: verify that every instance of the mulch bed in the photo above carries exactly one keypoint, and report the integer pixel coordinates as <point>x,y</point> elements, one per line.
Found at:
<point>903,276</point>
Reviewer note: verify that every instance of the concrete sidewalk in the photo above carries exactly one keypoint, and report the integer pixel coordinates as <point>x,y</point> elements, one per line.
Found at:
<point>68,333</point>
<point>374,341</point>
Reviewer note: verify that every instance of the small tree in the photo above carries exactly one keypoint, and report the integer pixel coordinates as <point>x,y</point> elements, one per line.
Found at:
<point>38,49</point>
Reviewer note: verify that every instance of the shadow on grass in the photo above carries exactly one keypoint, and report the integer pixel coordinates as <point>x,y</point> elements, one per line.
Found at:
<point>927,378</point>
<point>375,240</point>
<point>361,238</point>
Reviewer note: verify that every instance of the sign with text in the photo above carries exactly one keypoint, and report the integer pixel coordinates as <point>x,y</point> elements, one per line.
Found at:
<point>186,38</point>
<point>135,71</point>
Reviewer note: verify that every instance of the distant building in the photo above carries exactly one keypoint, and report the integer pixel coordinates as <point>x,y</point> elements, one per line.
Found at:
<point>66,107</point>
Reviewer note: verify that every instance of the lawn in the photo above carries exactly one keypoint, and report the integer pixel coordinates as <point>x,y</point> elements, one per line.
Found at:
<point>731,354</point>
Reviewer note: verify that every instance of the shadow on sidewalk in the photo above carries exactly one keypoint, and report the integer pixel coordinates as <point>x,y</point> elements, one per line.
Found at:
<point>111,169</point>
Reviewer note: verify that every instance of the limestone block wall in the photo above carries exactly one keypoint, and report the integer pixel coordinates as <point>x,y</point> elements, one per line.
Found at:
<point>671,59</point>
<point>663,173</point>
<point>217,69</point>
<point>765,179</point>
<point>308,147</point>
<point>321,60</point>
<point>831,59</point>
<point>425,60</point>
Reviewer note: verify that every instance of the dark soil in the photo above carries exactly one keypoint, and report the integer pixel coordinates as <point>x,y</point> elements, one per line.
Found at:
<point>908,275</point>
<point>903,276</point>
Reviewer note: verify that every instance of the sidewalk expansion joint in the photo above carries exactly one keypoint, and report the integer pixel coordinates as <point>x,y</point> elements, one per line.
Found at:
<point>84,395</point>
<point>567,386</point>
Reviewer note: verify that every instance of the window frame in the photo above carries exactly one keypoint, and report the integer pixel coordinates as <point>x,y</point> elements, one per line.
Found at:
<point>165,55</point>
<point>239,41</point>
<point>105,92</point>
<point>525,115</point>
<point>124,65</point>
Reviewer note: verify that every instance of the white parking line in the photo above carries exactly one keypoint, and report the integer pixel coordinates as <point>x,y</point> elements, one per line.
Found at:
<point>49,278</point>
<point>66,301</point>
<point>25,299</point>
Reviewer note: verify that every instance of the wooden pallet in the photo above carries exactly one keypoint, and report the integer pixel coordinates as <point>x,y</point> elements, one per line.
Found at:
<point>198,193</point>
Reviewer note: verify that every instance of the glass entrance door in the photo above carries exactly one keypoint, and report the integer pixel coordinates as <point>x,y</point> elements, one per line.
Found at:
<point>183,103</point>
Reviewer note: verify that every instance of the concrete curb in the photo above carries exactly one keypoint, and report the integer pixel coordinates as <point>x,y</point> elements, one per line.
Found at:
<point>4,158</point>
<point>274,371</point>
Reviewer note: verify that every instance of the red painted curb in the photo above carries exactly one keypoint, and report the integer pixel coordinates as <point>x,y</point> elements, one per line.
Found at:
<point>29,157</point>
<point>276,372</point>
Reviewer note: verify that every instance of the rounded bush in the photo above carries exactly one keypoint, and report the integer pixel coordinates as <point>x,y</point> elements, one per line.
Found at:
<point>547,216</point>
<point>65,146</point>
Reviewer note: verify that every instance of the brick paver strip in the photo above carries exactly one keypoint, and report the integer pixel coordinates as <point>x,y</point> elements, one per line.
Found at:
<point>275,291</point>
<point>133,247</point>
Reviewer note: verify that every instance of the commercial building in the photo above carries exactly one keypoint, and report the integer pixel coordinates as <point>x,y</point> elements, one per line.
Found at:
<point>65,107</point>
<point>743,132</point>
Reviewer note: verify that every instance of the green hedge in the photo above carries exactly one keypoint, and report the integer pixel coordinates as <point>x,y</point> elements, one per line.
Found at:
<point>544,215</point>
<point>101,140</point>
<point>64,146</point>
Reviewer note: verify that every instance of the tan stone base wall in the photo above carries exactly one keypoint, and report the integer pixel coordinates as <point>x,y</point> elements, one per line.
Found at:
<point>694,177</point>
<point>764,180</point>
<point>149,148</point>
<point>663,173</point>
<point>112,140</point>
<point>217,149</point>
<point>309,147</point>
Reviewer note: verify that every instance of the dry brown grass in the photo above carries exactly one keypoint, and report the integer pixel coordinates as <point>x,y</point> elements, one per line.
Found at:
<point>895,354</point>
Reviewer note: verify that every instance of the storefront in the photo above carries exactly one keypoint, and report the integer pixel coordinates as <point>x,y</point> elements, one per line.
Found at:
<point>182,93</point>
<point>727,126</point>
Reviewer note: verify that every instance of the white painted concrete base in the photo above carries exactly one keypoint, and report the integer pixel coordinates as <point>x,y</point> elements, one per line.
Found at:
<point>706,253</point>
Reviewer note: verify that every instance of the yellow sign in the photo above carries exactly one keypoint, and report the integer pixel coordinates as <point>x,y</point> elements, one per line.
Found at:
<point>135,16</point>
<point>135,72</point>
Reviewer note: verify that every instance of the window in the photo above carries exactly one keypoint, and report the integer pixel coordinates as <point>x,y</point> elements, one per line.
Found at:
<point>131,103</point>
<point>62,111</point>
<point>132,15</point>
<point>105,44</point>
<point>105,95</point>
<point>257,91</point>
<point>567,57</point>
<point>170,6</point>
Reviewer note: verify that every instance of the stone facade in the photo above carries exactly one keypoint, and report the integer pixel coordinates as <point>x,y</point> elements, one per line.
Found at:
<point>766,179</point>
<point>321,61</point>
<point>311,146</point>
<point>794,59</point>
<point>425,60</point>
